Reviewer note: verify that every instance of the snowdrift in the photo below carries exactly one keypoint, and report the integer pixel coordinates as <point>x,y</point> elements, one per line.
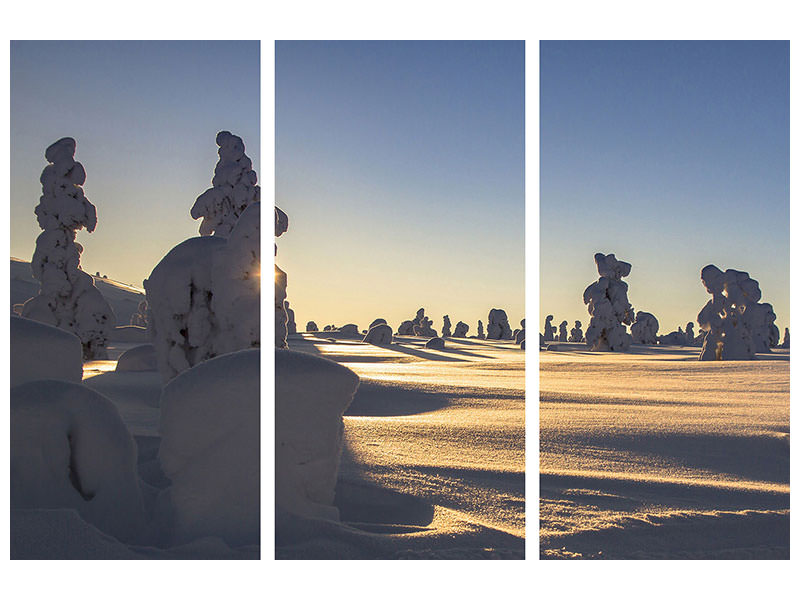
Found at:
<point>40,351</point>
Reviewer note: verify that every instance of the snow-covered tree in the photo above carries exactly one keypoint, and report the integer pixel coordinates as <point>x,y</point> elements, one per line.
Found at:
<point>67,297</point>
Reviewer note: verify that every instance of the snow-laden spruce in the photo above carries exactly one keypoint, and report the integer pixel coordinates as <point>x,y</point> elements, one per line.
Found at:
<point>435,343</point>
<point>519,336</point>
<point>563,335</point>
<point>311,395</point>
<point>311,326</point>
<point>498,327</point>
<point>281,318</point>
<point>736,325</point>
<point>67,297</point>
<point>138,358</point>
<point>291,326</point>
<point>234,188</point>
<point>549,329</point>
<point>785,343</point>
<point>644,329</point>
<point>139,318</point>
<point>608,306</point>
<point>446,326</point>
<point>576,333</point>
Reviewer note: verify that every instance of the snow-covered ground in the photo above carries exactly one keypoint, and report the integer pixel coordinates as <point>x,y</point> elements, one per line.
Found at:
<point>654,454</point>
<point>434,453</point>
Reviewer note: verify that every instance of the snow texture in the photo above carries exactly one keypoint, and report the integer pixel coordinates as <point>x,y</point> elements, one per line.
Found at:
<point>644,329</point>
<point>461,330</point>
<point>576,334</point>
<point>70,449</point>
<point>498,327</point>
<point>311,395</point>
<point>210,450</point>
<point>67,296</point>
<point>138,358</point>
<point>607,302</point>
<point>311,326</point>
<point>736,325</point>
<point>233,189</point>
<point>40,351</point>
<point>379,335</point>
<point>446,326</point>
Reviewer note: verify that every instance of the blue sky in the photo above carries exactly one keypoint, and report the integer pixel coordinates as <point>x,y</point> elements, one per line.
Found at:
<point>672,155</point>
<point>401,167</point>
<point>145,115</point>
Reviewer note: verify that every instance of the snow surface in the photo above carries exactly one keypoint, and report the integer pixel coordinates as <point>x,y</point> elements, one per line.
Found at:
<point>42,351</point>
<point>138,358</point>
<point>70,449</point>
<point>210,452</point>
<point>433,459</point>
<point>668,458</point>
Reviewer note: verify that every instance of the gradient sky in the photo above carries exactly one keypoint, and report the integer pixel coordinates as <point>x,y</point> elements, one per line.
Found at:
<point>401,167</point>
<point>672,155</point>
<point>145,116</point>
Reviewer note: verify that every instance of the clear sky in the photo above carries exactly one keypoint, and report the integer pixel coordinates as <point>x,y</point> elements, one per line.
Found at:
<point>672,155</point>
<point>145,116</point>
<point>401,168</point>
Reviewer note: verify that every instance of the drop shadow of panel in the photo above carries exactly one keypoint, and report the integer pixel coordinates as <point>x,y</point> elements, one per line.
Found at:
<point>377,399</point>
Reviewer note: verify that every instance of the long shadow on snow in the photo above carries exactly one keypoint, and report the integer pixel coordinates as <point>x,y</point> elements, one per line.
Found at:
<point>758,458</point>
<point>379,399</point>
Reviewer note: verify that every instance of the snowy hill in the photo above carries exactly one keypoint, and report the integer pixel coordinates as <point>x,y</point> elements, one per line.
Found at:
<point>123,298</point>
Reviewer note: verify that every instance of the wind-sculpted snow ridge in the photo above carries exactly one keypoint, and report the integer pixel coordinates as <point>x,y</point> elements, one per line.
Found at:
<point>67,296</point>
<point>233,188</point>
<point>311,395</point>
<point>576,333</point>
<point>607,302</point>
<point>736,325</point>
<point>210,432</point>
<point>498,327</point>
<point>644,329</point>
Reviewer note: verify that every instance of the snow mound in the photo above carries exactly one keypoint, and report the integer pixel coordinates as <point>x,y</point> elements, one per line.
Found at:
<point>40,351</point>
<point>498,327</point>
<point>311,395</point>
<point>311,326</point>
<point>436,343</point>
<point>70,449</point>
<point>644,329</point>
<point>210,450</point>
<point>350,330</point>
<point>139,358</point>
<point>179,290</point>
<point>379,335</point>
